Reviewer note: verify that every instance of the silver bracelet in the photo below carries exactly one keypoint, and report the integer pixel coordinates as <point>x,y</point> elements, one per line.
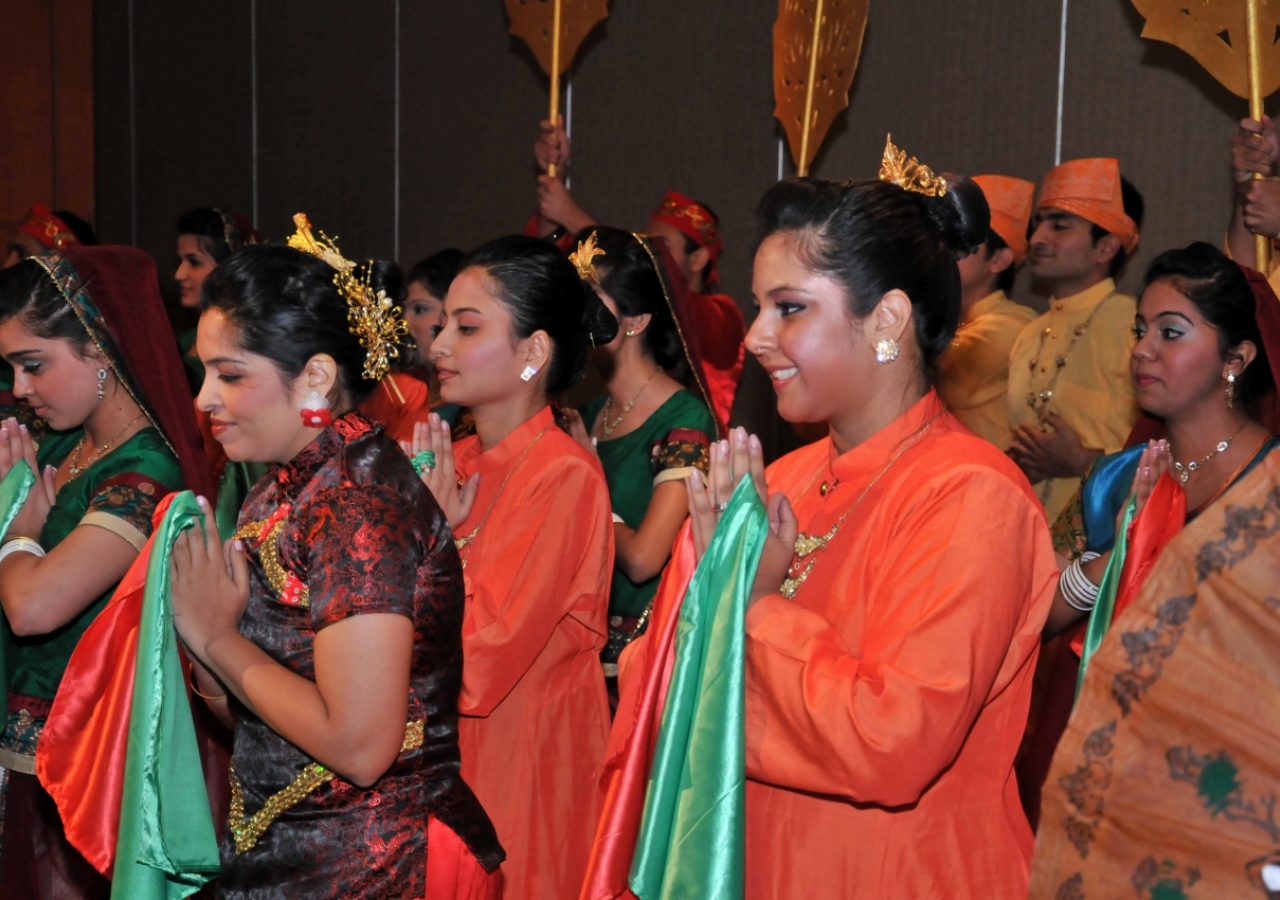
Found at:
<point>21,545</point>
<point>1079,592</point>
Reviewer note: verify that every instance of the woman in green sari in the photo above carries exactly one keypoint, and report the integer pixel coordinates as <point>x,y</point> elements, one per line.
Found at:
<point>648,429</point>
<point>85,331</point>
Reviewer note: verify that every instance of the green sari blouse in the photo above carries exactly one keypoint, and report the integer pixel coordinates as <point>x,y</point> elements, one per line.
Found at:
<point>120,493</point>
<point>667,447</point>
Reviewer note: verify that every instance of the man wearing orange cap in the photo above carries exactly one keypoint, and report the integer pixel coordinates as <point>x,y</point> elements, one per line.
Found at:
<point>1070,393</point>
<point>691,232</point>
<point>973,375</point>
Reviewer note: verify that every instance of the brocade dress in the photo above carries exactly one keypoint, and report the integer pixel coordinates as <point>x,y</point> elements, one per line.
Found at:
<point>347,528</point>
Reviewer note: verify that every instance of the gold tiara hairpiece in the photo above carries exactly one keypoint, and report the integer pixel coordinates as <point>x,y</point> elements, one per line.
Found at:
<point>909,174</point>
<point>583,259</point>
<point>373,318</point>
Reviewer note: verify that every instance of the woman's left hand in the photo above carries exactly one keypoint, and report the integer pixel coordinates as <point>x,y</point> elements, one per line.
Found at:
<point>16,444</point>
<point>210,584</point>
<point>731,461</point>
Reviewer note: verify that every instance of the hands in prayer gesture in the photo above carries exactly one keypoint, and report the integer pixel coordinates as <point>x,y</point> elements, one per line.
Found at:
<point>732,460</point>
<point>442,479</point>
<point>210,584</point>
<point>1154,462</point>
<point>16,444</point>
<point>1050,454</point>
<point>578,431</point>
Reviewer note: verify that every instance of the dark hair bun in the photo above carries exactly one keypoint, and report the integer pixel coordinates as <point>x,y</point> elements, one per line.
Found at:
<point>542,291</point>
<point>287,308</point>
<point>961,214</point>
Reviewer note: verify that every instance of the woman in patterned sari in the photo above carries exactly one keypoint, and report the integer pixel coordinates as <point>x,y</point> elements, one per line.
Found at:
<point>85,330</point>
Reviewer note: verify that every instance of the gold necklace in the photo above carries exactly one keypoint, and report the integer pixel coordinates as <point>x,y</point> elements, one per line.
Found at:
<point>1184,472</point>
<point>465,541</point>
<point>77,467</point>
<point>1039,400</point>
<point>608,405</point>
<point>807,546</point>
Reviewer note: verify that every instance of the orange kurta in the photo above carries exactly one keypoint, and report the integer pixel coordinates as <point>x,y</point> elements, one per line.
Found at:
<point>885,703</point>
<point>534,716</point>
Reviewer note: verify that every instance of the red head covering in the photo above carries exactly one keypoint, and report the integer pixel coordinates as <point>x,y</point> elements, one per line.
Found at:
<point>1090,189</point>
<point>47,228</point>
<point>696,222</point>
<point>681,303</point>
<point>116,294</point>
<point>1010,202</point>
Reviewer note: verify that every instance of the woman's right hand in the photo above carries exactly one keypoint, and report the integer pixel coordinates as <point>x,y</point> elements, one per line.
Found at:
<point>12,447</point>
<point>442,479</point>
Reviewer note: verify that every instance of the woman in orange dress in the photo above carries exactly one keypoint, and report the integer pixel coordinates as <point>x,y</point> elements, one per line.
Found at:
<point>895,618</point>
<point>533,526</point>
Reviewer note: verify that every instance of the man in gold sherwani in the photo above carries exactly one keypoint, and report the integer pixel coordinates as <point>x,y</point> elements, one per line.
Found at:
<point>1070,391</point>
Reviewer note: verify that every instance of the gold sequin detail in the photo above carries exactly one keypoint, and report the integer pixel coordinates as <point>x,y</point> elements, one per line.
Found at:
<point>269,554</point>
<point>246,830</point>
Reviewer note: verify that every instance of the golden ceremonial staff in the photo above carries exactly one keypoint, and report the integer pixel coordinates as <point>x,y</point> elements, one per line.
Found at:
<point>1235,40</point>
<point>816,45</point>
<point>554,31</point>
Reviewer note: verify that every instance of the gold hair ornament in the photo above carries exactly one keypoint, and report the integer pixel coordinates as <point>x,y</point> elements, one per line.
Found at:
<point>373,318</point>
<point>909,174</point>
<point>583,259</point>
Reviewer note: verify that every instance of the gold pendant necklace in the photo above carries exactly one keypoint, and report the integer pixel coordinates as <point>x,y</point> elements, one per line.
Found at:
<point>608,405</point>
<point>463,542</point>
<point>77,467</point>
<point>806,546</point>
<point>1184,472</point>
<point>1039,400</point>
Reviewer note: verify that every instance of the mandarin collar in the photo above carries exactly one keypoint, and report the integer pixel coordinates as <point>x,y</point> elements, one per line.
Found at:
<point>298,472</point>
<point>868,458</point>
<point>510,446</point>
<point>984,306</point>
<point>1086,299</point>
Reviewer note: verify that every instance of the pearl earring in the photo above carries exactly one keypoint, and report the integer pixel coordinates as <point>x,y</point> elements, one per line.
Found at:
<point>529,372</point>
<point>886,350</point>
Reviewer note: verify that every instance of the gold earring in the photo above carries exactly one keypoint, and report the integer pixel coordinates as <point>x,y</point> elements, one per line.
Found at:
<point>1231,390</point>
<point>886,350</point>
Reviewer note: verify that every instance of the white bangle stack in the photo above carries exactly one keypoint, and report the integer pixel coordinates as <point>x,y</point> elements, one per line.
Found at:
<point>1079,592</point>
<point>21,545</point>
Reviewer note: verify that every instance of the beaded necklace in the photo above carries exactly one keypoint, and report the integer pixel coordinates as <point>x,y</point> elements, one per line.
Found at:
<point>1039,400</point>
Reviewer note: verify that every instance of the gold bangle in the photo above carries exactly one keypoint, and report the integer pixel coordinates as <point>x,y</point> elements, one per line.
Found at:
<point>195,690</point>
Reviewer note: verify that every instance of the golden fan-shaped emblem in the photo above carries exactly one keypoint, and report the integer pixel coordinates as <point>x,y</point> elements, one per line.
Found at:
<point>816,45</point>
<point>1215,33</point>
<point>533,21</point>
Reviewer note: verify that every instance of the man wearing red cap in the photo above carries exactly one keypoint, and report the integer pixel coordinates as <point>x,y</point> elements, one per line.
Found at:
<point>1070,393</point>
<point>973,375</point>
<point>41,230</point>
<point>691,232</point>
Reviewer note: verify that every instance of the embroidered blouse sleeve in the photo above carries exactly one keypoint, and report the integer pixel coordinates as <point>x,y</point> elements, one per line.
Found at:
<point>131,488</point>
<point>362,553</point>
<point>676,456</point>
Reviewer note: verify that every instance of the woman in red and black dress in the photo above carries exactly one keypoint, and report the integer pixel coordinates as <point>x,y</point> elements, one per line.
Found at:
<point>330,631</point>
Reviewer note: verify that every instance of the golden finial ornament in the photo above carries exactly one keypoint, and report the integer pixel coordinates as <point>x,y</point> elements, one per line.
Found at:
<point>584,259</point>
<point>373,318</point>
<point>909,174</point>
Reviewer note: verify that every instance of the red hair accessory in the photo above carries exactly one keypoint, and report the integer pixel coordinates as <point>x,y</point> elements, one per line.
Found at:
<point>695,221</point>
<point>47,228</point>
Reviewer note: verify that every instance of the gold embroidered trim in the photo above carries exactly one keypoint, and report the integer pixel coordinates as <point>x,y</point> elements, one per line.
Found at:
<point>246,830</point>
<point>269,554</point>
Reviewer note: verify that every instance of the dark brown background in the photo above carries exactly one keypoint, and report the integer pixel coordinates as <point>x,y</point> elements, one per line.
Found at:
<point>666,94</point>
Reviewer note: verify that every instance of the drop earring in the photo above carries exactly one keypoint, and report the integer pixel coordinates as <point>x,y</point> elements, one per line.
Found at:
<point>315,411</point>
<point>1231,390</point>
<point>886,350</point>
<point>528,373</point>
<point>102,382</point>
